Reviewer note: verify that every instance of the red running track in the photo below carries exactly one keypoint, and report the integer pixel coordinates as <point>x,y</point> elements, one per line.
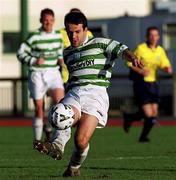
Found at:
<point>26,122</point>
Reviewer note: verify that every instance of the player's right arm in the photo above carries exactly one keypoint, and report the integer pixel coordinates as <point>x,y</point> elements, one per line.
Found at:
<point>165,63</point>
<point>24,53</point>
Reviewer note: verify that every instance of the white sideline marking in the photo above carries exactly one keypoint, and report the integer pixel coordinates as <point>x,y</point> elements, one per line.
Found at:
<point>102,159</point>
<point>133,157</point>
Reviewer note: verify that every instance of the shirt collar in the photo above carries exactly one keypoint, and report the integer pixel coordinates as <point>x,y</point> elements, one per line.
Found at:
<point>147,44</point>
<point>44,32</point>
<point>86,40</point>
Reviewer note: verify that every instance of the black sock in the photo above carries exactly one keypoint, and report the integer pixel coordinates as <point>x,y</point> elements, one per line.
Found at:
<point>148,124</point>
<point>138,116</point>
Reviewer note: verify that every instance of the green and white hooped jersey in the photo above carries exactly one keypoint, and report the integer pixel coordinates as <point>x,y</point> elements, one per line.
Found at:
<point>41,44</point>
<point>92,62</point>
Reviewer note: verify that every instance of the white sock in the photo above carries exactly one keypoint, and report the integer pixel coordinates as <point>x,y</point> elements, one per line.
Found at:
<point>61,137</point>
<point>37,125</point>
<point>78,158</point>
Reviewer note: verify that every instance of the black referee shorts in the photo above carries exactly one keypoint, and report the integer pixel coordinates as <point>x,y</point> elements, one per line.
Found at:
<point>145,92</point>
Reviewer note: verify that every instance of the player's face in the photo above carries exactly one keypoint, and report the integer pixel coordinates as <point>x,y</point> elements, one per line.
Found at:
<point>77,34</point>
<point>47,22</point>
<point>153,37</point>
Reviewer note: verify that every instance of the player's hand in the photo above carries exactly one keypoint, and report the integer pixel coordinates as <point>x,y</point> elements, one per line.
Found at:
<point>129,56</point>
<point>168,70</point>
<point>40,61</point>
<point>144,72</point>
<point>137,63</point>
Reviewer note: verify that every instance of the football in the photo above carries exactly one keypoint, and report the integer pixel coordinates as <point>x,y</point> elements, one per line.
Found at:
<point>60,116</point>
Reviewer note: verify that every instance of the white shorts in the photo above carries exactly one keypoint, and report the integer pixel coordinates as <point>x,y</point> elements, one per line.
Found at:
<point>39,82</point>
<point>91,100</point>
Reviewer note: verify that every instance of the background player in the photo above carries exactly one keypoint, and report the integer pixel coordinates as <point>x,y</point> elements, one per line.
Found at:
<point>43,53</point>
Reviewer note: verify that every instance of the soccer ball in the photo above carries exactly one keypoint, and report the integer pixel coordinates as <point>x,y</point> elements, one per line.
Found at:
<point>60,116</point>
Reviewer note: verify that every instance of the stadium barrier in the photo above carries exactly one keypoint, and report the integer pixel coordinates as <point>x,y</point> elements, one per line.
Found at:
<point>120,95</point>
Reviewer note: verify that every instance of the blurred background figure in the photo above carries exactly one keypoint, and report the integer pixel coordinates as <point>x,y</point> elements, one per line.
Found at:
<point>43,53</point>
<point>66,40</point>
<point>145,85</point>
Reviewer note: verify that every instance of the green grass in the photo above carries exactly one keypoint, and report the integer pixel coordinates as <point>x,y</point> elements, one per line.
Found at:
<point>113,155</point>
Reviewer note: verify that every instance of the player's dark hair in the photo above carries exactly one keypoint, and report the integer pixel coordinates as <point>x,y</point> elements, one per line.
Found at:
<point>46,11</point>
<point>150,29</point>
<point>75,18</point>
<point>75,10</point>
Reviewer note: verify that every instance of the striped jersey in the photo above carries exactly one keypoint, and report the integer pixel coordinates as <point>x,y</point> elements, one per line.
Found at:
<point>41,44</point>
<point>92,62</point>
<point>67,43</point>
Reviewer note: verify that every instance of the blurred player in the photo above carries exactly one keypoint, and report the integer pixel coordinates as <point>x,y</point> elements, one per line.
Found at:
<point>43,53</point>
<point>90,63</point>
<point>145,84</point>
<point>66,41</point>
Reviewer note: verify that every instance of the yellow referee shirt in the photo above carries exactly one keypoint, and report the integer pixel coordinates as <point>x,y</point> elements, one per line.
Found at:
<point>152,59</point>
<point>67,44</point>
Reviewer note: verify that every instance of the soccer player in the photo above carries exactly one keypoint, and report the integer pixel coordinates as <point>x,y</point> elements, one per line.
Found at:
<point>145,85</point>
<point>64,135</point>
<point>66,41</point>
<point>90,63</point>
<point>43,53</point>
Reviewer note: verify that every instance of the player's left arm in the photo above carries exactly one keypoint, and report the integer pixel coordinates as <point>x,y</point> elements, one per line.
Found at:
<point>165,63</point>
<point>60,62</point>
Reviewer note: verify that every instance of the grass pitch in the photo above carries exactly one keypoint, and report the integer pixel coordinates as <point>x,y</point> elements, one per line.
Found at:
<point>113,155</point>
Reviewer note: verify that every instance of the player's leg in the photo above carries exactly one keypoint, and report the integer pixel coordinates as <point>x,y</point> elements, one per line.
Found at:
<point>85,129</point>
<point>129,118</point>
<point>56,94</point>
<point>139,99</point>
<point>150,111</point>
<point>37,91</point>
<point>46,126</point>
<point>37,122</point>
<point>95,104</point>
<point>61,136</point>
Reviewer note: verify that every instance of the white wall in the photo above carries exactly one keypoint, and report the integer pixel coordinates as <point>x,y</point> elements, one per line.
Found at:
<point>10,19</point>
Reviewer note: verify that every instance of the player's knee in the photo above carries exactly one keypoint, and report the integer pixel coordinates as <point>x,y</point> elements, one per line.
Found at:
<point>151,114</point>
<point>148,114</point>
<point>155,113</point>
<point>38,106</point>
<point>81,142</point>
<point>84,151</point>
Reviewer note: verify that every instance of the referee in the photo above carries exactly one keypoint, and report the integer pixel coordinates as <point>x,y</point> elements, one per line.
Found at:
<point>145,85</point>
